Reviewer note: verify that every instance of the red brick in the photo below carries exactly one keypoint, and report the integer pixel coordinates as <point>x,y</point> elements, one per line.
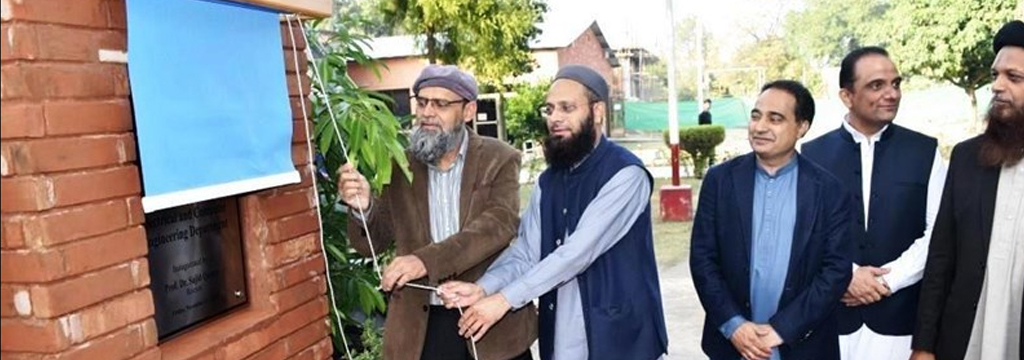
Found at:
<point>7,308</point>
<point>294,226</point>
<point>286,38</point>
<point>301,271</point>
<point>25,266</point>
<point>19,42</point>
<point>299,294</point>
<point>296,107</point>
<point>287,203</point>
<point>116,14</point>
<point>32,335</point>
<point>289,63</point>
<point>24,120</point>
<point>247,345</point>
<point>67,224</point>
<point>56,299</point>
<point>294,249</point>
<point>6,158</point>
<point>300,154</point>
<point>276,351</point>
<point>14,84</point>
<point>13,236</point>
<point>61,154</point>
<point>305,181</point>
<point>105,250</point>
<point>88,117</point>
<point>149,332</point>
<point>152,353</point>
<point>65,80</point>
<point>287,323</point>
<point>58,42</point>
<point>115,314</point>
<point>293,89</point>
<point>119,74</point>
<point>26,193</point>
<point>89,13</point>
<point>92,185</point>
<point>121,344</point>
<point>306,338</point>
<point>300,132</point>
<point>135,214</point>
<point>324,349</point>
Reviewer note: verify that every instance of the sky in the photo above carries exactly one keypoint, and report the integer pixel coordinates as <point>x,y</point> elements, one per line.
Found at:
<point>644,23</point>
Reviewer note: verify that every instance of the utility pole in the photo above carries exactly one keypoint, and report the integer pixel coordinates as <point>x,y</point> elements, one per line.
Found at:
<point>673,114</point>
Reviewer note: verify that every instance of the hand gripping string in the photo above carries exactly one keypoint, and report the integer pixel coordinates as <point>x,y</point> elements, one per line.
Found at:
<point>318,80</point>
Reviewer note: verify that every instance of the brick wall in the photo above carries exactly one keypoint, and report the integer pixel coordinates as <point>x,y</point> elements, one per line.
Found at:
<point>587,50</point>
<point>75,281</point>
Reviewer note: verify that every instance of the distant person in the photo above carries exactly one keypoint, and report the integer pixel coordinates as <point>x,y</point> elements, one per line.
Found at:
<point>705,113</point>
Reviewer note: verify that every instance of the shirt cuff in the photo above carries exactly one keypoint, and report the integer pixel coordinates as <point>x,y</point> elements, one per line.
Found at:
<point>516,294</point>
<point>490,284</point>
<point>730,326</point>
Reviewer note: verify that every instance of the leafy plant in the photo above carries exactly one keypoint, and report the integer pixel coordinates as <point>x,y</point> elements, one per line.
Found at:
<point>374,143</point>
<point>699,142</point>
<point>522,118</point>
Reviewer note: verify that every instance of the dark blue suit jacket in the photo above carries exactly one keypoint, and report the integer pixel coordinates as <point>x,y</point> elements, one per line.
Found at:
<point>819,267</point>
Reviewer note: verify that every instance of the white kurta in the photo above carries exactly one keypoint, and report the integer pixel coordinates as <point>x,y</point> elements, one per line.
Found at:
<point>997,329</point>
<point>906,270</point>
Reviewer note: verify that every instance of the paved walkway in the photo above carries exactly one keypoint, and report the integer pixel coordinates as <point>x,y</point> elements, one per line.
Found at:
<point>684,317</point>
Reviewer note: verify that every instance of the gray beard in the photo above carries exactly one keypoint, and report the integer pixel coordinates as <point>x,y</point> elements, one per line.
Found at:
<point>428,147</point>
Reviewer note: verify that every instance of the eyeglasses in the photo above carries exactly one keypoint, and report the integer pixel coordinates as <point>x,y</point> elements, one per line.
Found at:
<point>437,103</point>
<point>547,110</point>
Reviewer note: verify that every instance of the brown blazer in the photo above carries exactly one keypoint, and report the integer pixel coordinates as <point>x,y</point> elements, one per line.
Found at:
<point>489,221</point>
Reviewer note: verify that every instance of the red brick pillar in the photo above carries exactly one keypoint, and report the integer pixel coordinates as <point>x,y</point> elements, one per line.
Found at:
<point>75,280</point>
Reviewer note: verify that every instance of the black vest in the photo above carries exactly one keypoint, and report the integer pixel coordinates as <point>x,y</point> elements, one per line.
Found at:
<point>899,196</point>
<point>619,291</point>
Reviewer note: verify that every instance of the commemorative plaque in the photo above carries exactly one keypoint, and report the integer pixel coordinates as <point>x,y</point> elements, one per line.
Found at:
<point>195,263</point>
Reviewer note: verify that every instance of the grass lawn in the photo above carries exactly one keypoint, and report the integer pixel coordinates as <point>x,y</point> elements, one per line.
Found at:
<point>671,239</point>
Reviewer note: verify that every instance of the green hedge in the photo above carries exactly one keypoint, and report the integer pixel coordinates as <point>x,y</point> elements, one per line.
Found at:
<point>700,142</point>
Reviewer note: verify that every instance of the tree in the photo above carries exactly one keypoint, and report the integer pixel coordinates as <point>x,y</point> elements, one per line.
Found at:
<point>826,30</point>
<point>949,40</point>
<point>490,37</point>
<point>522,118</point>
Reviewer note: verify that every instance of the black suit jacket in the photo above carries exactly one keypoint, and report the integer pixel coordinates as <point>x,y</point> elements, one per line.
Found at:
<point>957,255</point>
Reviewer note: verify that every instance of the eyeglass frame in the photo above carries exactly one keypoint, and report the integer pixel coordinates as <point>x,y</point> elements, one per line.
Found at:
<point>561,107</point>
<point>436,103</point>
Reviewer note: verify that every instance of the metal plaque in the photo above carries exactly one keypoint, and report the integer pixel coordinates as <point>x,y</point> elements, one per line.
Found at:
<point>196,267</point>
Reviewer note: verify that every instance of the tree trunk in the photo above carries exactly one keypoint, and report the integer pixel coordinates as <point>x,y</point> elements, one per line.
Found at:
<point>431,48</point>
<point>974,107</point>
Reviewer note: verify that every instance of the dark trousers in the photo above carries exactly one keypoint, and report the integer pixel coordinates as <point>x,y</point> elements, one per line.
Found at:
<point>443,341</point>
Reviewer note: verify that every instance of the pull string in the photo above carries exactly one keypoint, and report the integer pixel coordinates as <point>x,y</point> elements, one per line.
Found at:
<point>318,81</point>
<point>312,175</point>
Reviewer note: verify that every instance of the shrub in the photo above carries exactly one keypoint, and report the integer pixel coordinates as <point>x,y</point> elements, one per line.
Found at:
<point>700,142</point>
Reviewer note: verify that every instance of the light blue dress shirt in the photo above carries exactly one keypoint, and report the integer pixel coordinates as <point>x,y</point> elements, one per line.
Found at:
<point>773,224</point>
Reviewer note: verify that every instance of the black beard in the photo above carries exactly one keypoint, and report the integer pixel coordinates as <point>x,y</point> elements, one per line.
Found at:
<point>1003,140</point>
<point>563,153</point>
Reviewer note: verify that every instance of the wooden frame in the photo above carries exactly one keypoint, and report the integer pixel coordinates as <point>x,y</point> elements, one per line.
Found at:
<point>310,8</point>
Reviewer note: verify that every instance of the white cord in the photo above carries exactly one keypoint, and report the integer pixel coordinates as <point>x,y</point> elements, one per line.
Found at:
<point>318,79</point>
<point>312,176</point>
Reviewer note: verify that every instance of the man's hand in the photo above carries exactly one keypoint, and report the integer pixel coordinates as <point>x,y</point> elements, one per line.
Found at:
<point>480,317</point>
<point>748,342</point>
<point>921,355</point>
<point>460,294</point>
<point>353,188</point>
<point>866,286</point>
<point>768,335</point>
<point>401,270</point>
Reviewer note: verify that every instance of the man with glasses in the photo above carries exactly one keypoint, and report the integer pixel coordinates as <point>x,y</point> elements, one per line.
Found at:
<point>585,244</point>
<point>449,223</point>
